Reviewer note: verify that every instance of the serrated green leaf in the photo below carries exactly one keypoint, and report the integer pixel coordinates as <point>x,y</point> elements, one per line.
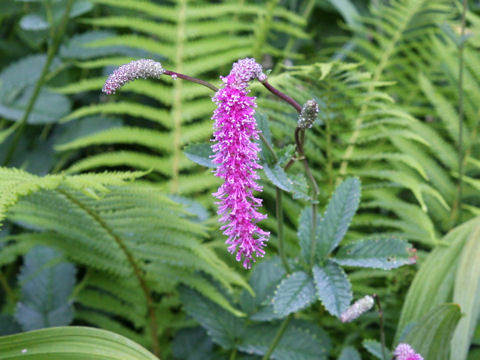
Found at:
<point>192,344</point>
<point>379,253</point>
<point>264,280</point>
<point>305,232</point>
<point>431,335</point>
<point>262,124</point>
<point>75,342</point>
<point>333,287</point>
<point>224,328</point>
<point>200,154</point>
<point>349,353</point>
<point>47,283</point>
<point>294,293</point>
<point>278,177</point>
<point>339,214</point>
<point>466,293</point>
<point>375,348</point>
<point>298,342</point>
<point>33,22</point>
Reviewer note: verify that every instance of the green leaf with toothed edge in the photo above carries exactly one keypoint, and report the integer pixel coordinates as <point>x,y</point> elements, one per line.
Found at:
<point>223,327</point>
<point>294,293</point>
<point>305,232</point>
<point>340,210</point>
<point>375,348</point>
<point>349,353</point>
<point>47,282</point>
<point>333,287</point>
<point>301,341</point>
<point>200,154</point>
<point>379,253</point>
<point>75,342</point>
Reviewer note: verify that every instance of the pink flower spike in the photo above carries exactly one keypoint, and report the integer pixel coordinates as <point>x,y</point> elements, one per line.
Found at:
<point>144,68</point>
<point>236,154</point>
<point>406,352</point>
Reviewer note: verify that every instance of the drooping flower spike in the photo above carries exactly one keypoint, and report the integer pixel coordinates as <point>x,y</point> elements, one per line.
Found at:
<point>236,154</point>
<point>406,352</point>
<point>358,308</point>
<point>144,68</point>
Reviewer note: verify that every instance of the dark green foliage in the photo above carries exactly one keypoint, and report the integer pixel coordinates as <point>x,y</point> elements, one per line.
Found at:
<point>380,253</point>
<point>47,283</point>
<point>392,98</point>
<point>294,293</point>
<point>222,327</point>
<point>337,217</point>
<point>349,353</point>
<point>375,348</point>
<point>333,287</point>
<point>200,154</point>
<point>300,341</point>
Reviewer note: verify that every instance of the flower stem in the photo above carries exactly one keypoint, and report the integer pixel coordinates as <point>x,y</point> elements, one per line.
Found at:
<point>8,290</point>
<point>299,140</point>
<point>279,210</point>
<point>279,215</point>
<point>382,329</point>
<point>282,96</point>
<point>52,50</point>
<point>174,74</point>
<point>278,336</point>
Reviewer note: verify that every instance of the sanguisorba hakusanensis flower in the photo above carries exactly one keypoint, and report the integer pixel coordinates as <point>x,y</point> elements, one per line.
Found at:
<point>236,156</point>
<point>358,308</point>
<point>406,352</point>
<point>144,68</point>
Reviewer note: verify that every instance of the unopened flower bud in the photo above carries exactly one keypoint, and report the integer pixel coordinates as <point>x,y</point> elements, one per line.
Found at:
<point>144,68</point>
<point>308,114</point>
<point>358,308</point>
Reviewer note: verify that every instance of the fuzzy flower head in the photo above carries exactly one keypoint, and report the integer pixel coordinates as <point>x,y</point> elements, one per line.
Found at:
<point>308,114</point>
<point>236,154</point>
<point>358,308</point>
<point>144,68</point>
<point>406,352</point>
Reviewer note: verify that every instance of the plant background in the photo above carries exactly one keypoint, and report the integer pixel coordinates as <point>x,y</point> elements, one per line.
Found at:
<point>395,111</point>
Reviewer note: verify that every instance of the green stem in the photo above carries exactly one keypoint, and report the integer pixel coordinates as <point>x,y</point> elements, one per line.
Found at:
<point>279,214</point>
<point>382,328</point>
<point>8,290</point>
<point>279,211</point>
<point>277,338</point>
<point>457,207</point>
<point>52,50</point>
<point>233,355</point>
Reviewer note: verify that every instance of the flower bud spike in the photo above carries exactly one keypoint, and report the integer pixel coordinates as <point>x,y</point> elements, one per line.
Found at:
<point>308,114</point>
<point>358,308</point>
<point>144,68</point>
